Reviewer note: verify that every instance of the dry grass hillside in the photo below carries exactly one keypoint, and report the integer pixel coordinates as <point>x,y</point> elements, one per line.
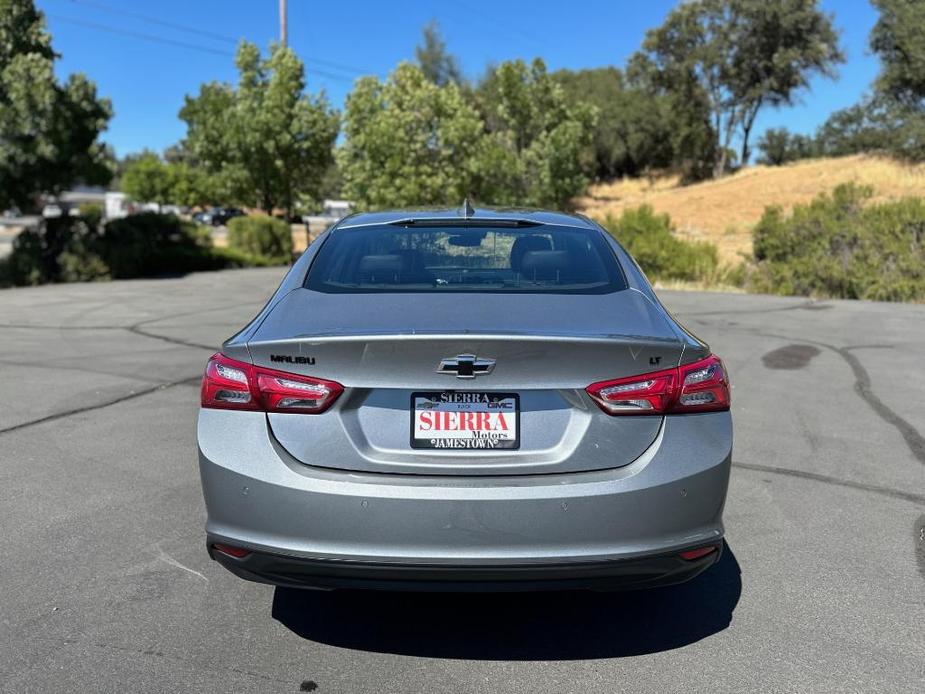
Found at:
<point>725,211</point>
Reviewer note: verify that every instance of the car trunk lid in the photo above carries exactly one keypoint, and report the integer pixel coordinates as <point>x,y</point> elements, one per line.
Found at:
<point>388,348</point>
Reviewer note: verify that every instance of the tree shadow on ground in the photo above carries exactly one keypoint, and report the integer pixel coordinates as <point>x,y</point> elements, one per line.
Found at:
<point>517,626</point>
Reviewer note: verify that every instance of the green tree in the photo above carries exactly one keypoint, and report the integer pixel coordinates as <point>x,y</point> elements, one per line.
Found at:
<point>637,129</point>
<point>48,130</point>
<point>191,185</point>
<point>898,38</point>
<point>539,145</point>
<point>267,141</point>
<point>780,146</point>
<point>438,65</point>
<point>743,55</point>
<point>147,179</point>
<point>412,142</point>
<point>685,109</point>
<point>408,142</point>
<point>869,126</point>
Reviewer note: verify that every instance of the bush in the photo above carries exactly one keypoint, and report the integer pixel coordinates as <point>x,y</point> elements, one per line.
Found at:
<point>74,249</point>
<point>91,213</point>
<point>649,239</point>
<point>265,237</point>
<point>839,246</point>
<point>233,258</point>
<point>59,249</point>
<point>150,244</point>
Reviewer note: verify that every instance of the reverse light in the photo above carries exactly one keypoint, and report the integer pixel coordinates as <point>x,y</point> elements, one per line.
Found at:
<point>699,387</point>
<point>229,384</point>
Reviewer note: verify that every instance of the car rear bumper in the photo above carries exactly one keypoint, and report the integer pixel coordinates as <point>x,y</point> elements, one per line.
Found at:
<point>316,527</point>
<point>326,574</point>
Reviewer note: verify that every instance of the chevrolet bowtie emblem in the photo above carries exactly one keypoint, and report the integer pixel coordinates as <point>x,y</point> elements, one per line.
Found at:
<point>466,366</point>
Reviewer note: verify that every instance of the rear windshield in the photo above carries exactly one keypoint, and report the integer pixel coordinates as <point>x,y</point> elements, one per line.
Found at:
<point>539,259</point>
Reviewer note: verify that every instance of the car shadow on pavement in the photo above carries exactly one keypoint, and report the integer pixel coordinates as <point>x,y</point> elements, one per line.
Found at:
<point>517,626</point>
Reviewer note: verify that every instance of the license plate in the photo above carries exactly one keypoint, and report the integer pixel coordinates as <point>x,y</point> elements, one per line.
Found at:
<point>465,420</point>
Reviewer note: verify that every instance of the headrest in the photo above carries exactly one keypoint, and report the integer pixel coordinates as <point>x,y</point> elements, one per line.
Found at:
<point>380,268</point>
<point>545,265</point>
<point>523,244</point>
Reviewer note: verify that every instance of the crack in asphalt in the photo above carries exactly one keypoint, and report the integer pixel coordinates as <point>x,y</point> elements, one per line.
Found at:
<point>862,385</point>
<point>826,479</point>
<point>918,534</point>
<point>101,405</point>
<point>154,652</point>
<point>78,369</point>
<point>135,330</point>
<point>62,327</point>
<point>789,307</point>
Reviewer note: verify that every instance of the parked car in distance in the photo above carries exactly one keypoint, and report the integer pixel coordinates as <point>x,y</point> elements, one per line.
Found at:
<point>465,400</point>
<point>220,216</point>
<point>217,216</point>
<point>203,217</point>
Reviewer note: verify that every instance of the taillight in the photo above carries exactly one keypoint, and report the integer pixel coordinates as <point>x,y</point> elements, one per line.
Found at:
<point>692,554</point>
<point>644,394</point>
<point>229,384</point>
<point>230,550</point>
<point>699,387</point>
<point>704,386</point>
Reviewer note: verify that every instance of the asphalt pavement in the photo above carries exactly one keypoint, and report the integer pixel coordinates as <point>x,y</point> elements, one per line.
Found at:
<point>106,585</point>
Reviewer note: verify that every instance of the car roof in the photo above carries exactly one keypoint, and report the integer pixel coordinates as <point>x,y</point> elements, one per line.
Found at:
<point>466,214</point>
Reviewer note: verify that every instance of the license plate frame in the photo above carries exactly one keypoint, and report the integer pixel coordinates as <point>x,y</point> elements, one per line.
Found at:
<point>481,401</point>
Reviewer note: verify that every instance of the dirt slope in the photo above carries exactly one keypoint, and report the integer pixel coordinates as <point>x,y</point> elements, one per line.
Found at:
<point>725,211</point>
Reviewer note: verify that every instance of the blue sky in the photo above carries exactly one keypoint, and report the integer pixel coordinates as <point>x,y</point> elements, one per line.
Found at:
<point>147,80</point>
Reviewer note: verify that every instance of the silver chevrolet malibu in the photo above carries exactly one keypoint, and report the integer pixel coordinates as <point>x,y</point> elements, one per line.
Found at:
<point>472,399</point>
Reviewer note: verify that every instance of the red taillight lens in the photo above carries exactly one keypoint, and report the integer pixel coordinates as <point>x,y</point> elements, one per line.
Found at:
<point>644,394</point>
<point>229,384</point>
<point>698,387</point>
<point>230,550</point>
<point>704,386</point>
<point>226,385</point>
<point>283,392</point>
<point>692,554</point>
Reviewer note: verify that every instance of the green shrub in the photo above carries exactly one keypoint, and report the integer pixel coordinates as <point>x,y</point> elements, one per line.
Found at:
<point>839,246</point>
<point>74,249</point>
<point>5,279</point>
<point>91,213</point>
<point>151,244</point>
<point>58,249</point>
<point>662,256</point>
<point>233,258</point>
<point>268,237</point>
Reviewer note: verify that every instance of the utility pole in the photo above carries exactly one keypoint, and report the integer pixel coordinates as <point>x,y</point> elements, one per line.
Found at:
<point>282,22</point>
